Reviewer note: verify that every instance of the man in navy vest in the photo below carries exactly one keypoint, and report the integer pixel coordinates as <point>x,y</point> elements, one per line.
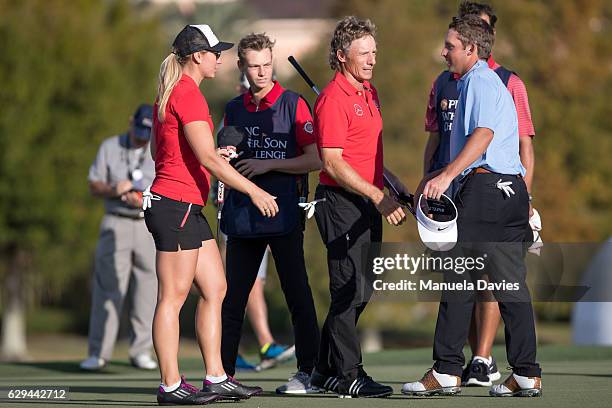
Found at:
<point>281,149</point>
<point>493,208</point>
<point>482,369</point>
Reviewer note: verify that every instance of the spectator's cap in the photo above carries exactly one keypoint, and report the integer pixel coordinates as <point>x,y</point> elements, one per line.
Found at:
<point>143,121</point>
<point>194,38</point>
<point>437,224</point>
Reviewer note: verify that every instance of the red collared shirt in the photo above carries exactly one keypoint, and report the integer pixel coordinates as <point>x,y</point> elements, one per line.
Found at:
<point>178,173</point>
<point>517,89</point>
<point>348,118</point>
<point>303,119</point>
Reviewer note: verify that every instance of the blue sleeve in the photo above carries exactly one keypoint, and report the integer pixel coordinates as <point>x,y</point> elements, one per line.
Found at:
<point>480,105</point>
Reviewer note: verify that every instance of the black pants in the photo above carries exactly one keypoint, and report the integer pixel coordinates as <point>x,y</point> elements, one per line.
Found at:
<point>243,258</point>
<point>347,223</point>
<point>490,223</point>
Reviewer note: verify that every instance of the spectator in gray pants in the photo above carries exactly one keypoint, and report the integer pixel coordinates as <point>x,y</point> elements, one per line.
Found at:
<point>125,254</point>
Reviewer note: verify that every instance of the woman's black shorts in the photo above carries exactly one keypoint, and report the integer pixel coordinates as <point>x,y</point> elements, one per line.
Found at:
<point>176,224</point>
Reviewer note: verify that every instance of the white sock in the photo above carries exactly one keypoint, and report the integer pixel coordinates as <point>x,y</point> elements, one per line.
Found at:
<point>216,380</point>
<point>485,360</point>
<point>170,388</point>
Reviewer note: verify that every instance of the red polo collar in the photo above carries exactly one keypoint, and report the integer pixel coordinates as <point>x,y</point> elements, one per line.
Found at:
<point>347,87</point>
<point>268,100</point>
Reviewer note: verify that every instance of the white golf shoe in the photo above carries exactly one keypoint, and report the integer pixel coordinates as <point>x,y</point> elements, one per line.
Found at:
<point>144,362</point>
<point>93,363</point>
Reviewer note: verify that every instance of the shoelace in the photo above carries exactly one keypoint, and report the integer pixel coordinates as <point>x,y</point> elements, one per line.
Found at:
<point>298,375</point>
<point>309,207</point>
<point>233,380</point>
<point>482,368</point>
<point>147,196</point>
<point>187,386</point>
<point>505,187</point>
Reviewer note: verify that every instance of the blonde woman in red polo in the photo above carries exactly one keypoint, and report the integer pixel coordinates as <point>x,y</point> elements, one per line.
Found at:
<point>185,156</point>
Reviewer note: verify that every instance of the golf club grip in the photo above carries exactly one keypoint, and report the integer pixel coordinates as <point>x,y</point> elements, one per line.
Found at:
<point>220,192</point>
<point>303,73</point>
<point>409,198</point>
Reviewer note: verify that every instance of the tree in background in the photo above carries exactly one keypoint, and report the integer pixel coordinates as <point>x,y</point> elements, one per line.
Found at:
<point>228,20</point>
<point>72,74</point>
<point>73,71</point>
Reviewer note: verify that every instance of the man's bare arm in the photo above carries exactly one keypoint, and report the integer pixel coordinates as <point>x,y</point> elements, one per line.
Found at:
<point>476,145</point>
<point>304,163</point>
<point>105,190</point>
<point>527,159</point>
<point>430,149</point>
<point>347,177</point>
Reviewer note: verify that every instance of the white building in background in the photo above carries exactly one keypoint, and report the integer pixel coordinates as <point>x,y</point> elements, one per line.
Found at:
<point>592,321</point>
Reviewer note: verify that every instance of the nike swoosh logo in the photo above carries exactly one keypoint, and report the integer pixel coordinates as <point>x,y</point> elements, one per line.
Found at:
<point>442,229</point>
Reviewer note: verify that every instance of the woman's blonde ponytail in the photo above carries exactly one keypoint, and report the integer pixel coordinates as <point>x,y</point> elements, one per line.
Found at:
<point>170,73</point>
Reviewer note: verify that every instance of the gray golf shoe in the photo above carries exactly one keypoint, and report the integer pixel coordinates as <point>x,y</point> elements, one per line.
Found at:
<point>299,383</point>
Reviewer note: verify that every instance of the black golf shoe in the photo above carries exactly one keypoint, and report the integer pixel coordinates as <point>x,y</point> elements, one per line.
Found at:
<point>185,394</point>
<point>231,389</point>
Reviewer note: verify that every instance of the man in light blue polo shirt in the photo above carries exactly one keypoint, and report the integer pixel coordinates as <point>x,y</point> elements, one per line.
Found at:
<point>484,102</point>
<point>493,211</point>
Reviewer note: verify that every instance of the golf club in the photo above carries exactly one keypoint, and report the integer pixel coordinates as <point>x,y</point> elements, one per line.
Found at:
<point>220,199</point>
<point>405,200</point>
<point>303,74</point>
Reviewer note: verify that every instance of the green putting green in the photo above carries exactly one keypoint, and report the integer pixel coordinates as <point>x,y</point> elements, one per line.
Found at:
<point>573,377</point>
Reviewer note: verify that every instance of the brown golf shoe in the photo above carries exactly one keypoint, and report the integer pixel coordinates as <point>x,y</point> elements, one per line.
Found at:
<point>434,383</point>
<point>518,386</point>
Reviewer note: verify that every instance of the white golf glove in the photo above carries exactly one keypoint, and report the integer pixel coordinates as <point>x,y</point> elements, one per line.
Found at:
<point>535,222</point>
<point>505,187</point>
<point>147,196</point>
<point>310,207</point>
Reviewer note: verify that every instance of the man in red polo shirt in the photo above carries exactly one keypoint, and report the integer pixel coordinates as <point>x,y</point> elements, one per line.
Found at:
<point>348,127</point>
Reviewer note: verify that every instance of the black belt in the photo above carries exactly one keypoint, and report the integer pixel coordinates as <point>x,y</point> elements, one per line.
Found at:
<point>337,189</point>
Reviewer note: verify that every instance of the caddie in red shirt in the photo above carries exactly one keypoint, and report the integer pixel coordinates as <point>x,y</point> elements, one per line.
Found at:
<point>278,150</point>
<point>348,127</point>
